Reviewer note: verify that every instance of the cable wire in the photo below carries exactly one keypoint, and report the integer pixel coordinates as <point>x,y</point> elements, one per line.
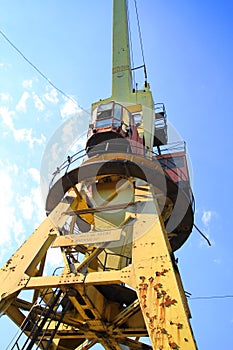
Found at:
<point>40,72</point>
<point>131,48</point>
<point>140,38</point>
<point>211,297</point>
<point>202,234</point>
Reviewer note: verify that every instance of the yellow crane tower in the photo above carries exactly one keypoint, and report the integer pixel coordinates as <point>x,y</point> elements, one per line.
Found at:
<point>116,215</point>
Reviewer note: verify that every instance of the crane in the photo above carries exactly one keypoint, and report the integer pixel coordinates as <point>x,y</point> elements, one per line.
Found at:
<point>117,218</point>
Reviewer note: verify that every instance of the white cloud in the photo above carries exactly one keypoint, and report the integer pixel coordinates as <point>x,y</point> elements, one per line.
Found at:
<point>26,206</point>
<point>53,260</point>
<point>27,84</point>
<point>9,223</point>
<point>69,109</point>
<point>39,206</point>
<point>18,231</point>
<point>22,134</point>
<point>5,66</point>
<point>35,174</point>
<point>15,169</point>
<point>5,97</point>
<point>37,102</point>
<point>21,106</point>
<point>206,217</point>
<point>56,151</point>
<point>7,116</point>
<point>68,133</point>
<point>217,261</point>
<point>6,209</point>
<point>19,134</point>
<point>79,143</point>
<point>26,135</point>
<point>32,206</point>
<point>51,96</point>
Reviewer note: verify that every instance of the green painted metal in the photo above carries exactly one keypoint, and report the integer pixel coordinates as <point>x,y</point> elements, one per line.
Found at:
<point>121,64</point>
<point>122,73</point>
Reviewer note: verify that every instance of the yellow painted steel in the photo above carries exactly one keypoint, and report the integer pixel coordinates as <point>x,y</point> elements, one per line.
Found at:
<point>119,282</point>
<point>159,311</point>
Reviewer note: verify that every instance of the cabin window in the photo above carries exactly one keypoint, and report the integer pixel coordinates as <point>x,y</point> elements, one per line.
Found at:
<point>137,119</point>
<point>104,111</point>
<point>117,111</point>
<point>117,115</point>
<point>126,116</point>
<point>103,123</point>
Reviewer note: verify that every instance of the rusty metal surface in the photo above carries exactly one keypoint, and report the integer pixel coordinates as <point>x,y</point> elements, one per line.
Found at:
<point>138,167</point>
<point>153,306</point>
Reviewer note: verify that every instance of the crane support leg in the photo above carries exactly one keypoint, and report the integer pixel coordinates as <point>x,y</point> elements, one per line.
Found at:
<point>157,282</point>
<point>155,305</point>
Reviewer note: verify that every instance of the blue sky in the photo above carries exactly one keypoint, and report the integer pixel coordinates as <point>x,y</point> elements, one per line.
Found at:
<point>188,50</point>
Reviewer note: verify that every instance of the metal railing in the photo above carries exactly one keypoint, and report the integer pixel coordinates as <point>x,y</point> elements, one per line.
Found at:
<point>76,160</point>
<point>83,154</point>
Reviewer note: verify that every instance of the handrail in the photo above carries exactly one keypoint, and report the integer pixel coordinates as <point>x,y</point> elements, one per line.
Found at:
<point>170,149</point>
<point>83,153</point>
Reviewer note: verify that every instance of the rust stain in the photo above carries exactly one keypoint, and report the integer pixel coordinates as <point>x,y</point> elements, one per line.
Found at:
<point>151,319</point>
<point>162,273</point>
<point>156,321</point>
<point>179,327</point>
<point>143,291</point>
<point>173,346</point>
<point>151,279</point>
<point>157,286</point>
<point>164,331</point>
<point>168,301</point>
<point>162,310</point>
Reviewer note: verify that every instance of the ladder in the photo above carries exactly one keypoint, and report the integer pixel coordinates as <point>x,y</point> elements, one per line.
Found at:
<point>38,320</point>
